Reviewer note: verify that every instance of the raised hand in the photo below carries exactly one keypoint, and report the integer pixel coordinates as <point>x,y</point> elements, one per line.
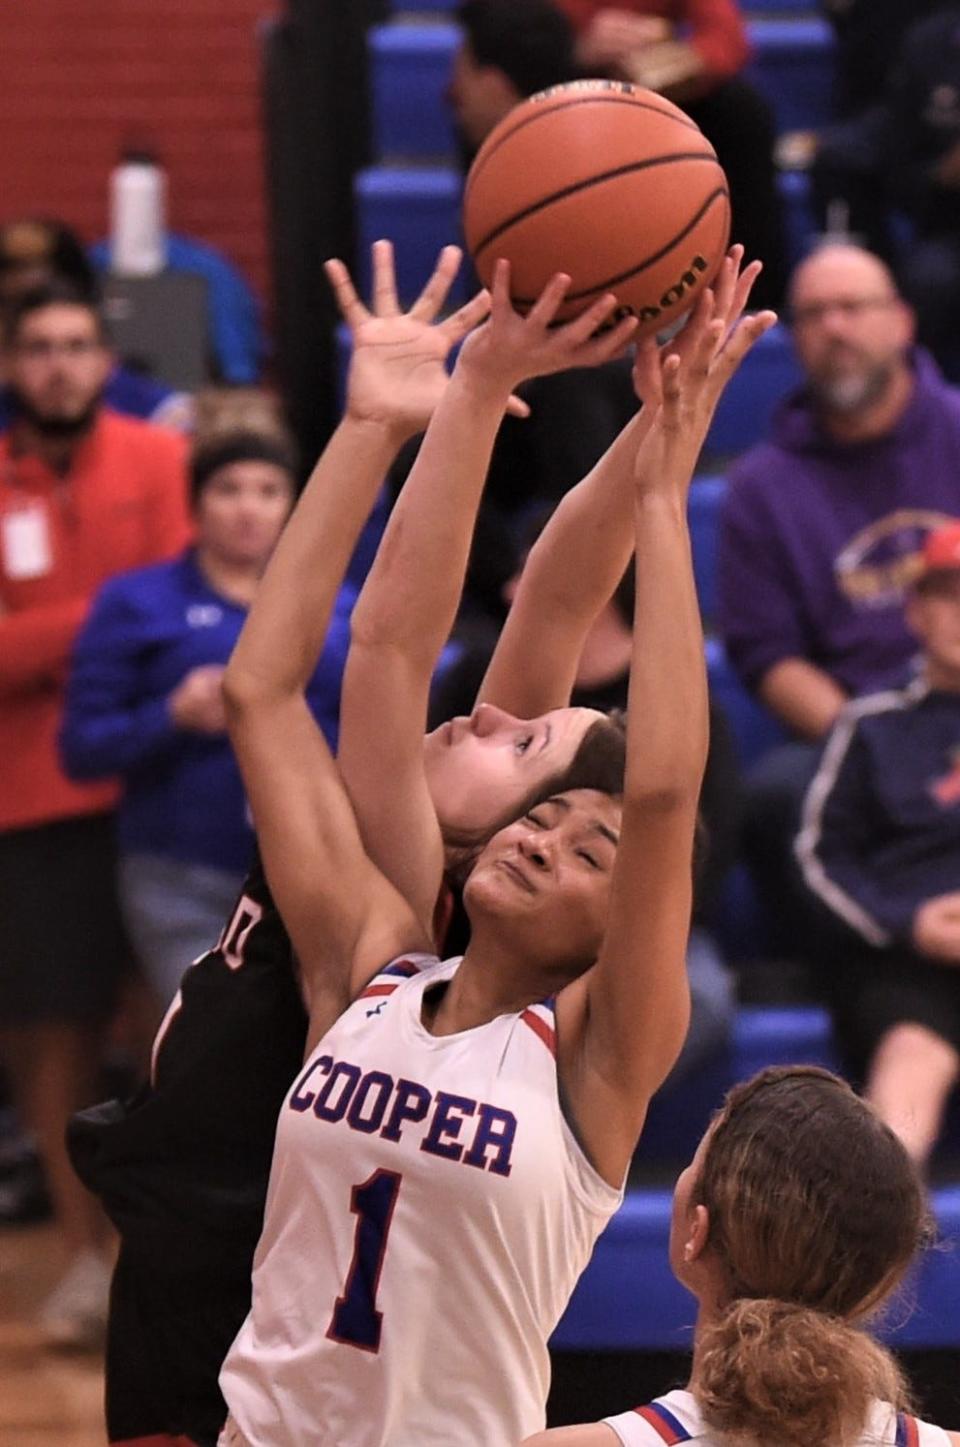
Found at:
<point>685,382</point>
<point>511,348</point>
<point>398,367</point>
<point>730,293</point>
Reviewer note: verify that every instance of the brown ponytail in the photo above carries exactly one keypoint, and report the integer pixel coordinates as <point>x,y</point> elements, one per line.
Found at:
<point>770,1372</point>
<point>815,1213</point>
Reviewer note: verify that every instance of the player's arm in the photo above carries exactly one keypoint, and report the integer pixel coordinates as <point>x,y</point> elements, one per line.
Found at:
<point>580,557</point>
<point>335,904</point>
<point>621,1026</point>
<point>410,599</point>
<point>590,1434</point>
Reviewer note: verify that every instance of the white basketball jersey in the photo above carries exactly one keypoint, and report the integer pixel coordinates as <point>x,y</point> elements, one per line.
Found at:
<point>428,1216</point>
<point>676,1418</point>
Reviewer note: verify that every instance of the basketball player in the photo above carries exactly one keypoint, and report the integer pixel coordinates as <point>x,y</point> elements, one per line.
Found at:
<point>799,1215</point>
<point>431,1202</point>
<point>183,1167</point>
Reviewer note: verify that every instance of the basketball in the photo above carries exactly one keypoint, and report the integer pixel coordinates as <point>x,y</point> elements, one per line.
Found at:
<point>610,183</point>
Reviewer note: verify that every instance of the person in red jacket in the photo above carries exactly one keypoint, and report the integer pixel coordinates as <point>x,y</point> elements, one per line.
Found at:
<point>84,494</point>
<point>693,52</point>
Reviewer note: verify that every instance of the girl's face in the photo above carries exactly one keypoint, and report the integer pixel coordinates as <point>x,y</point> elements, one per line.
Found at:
<point>481,768</point>
<point>241,510</point>
<point>545,880</point>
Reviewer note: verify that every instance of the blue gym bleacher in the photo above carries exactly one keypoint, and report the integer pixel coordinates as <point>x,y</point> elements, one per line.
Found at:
<point>412,194</point>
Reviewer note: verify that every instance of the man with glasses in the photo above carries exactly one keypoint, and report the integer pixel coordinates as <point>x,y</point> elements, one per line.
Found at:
<point>822,532</point>
<point>84,494</point>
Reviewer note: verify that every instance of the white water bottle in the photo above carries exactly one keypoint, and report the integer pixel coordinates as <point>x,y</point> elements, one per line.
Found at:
<point>138,217</point>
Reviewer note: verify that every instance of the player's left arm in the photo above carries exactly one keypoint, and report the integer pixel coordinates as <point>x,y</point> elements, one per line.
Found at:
<point>621,1026</point>
<point>590,1434</point>
<point>580,557</point>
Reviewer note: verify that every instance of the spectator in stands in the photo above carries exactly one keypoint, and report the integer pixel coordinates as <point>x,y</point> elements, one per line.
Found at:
<point>601,683</point>
<point>851,158</point>
<point>83,493</point>
<point>143,701</point>
<point>34,252</point>
<point>924,97</point>
<point>880,847</point>
<point>694,52</point>
<point>822,526</point>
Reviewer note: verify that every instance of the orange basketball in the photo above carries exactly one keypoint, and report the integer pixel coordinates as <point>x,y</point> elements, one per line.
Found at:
<point>608,182</point>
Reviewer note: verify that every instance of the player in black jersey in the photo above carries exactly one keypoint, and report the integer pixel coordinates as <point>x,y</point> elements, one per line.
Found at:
<point>183,1167</point>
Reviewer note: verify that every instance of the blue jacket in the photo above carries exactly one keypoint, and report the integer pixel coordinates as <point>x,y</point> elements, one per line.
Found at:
<point>183,796</point>
<point>881,825</point>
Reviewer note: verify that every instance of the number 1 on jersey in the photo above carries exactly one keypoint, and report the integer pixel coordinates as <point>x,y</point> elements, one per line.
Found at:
<point>355,1320</point>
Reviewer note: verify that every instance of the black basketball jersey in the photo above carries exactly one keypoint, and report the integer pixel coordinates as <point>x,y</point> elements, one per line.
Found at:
<point>182,1166</point>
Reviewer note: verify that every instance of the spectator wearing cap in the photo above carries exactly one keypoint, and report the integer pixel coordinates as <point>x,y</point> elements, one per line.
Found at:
<point>144,703</point>
<point>35,252</point>
<point>84,493</point>
<point>880,849</point>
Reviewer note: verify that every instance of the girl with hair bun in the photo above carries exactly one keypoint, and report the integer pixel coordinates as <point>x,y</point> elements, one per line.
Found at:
<point>799,1215</point>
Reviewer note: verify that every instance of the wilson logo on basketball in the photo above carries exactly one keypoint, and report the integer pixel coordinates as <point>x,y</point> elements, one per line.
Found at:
<point>690,278</point>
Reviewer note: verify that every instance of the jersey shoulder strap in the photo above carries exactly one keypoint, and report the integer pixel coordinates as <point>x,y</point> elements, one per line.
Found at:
<point>667,1427</point>
<point>392,975</point>
<point>908,1431</point>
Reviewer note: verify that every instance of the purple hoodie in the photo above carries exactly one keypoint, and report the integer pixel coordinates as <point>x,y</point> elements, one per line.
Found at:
<point>818,539</point>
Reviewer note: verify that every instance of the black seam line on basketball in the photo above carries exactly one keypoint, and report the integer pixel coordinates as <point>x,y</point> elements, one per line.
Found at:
<point>585,185</point>
<point>634,270</point>
<point>582,100</point>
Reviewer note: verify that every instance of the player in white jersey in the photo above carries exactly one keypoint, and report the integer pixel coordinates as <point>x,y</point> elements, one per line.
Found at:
<point>431,1203</point>
<point>798,1217</point>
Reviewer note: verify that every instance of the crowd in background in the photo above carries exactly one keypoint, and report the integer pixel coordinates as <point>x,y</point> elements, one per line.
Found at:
<point>135,521</point>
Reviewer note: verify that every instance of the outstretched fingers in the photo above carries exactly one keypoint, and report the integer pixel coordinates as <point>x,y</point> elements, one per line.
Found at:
<point>385,301</point>
<point>607,345</point>
<point>431,299</point>
<point>741,295</point>
<point>748,332</point>
<point>725,281</point>
<point>462,321</point>
<point>350,306</point>
<point>646,372</point>
<point>548,303</point>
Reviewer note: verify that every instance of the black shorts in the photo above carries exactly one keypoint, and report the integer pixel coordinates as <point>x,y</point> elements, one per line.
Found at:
<point>62,944</point>
<point>166,1340</point>
<point>878,989</point>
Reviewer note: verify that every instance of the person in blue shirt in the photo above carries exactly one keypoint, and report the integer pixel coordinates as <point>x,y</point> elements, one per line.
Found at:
<point>144,703</point>
<point>880,848</point>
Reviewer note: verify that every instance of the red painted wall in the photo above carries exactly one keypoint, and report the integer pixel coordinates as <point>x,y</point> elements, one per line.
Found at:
<point>80,79</point>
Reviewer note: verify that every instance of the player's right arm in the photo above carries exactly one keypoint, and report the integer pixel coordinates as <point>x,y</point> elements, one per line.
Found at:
<point>621,1025</point>
<point>343,918</point>
<point>410,599</point>
<point>580,557</point>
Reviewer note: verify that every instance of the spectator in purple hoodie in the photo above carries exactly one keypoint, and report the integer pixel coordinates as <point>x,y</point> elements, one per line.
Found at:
<point>822,530</point>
